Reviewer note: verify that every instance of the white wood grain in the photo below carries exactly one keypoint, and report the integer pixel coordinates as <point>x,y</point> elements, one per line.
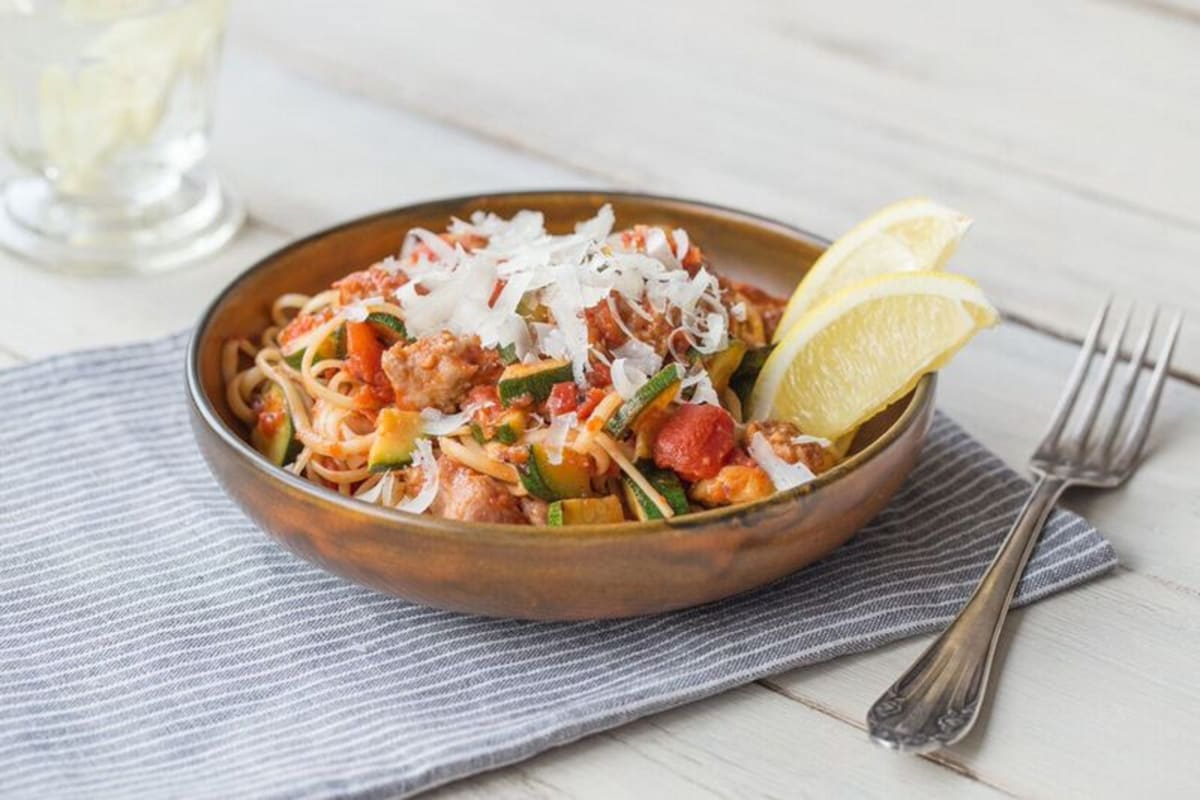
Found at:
<point>747,743</point>
<point>312,157</point>
<point>1096,694</point>
<point>1003,389</point>
<point>1074,151</point>
<point>1095,697</point>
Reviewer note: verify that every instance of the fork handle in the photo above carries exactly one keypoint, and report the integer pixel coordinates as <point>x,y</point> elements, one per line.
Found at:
<point>937,700</point>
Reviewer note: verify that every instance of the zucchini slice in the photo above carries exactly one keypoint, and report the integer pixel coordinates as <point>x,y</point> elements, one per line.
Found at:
<point>568,479</point>
<point>585,511</point>
<point>658,392</point>
<point>665,481</point>
<point>535,380</point>
<point>332,346</point>
<point>396,435</point>
<point>721,366</point>
<point>508,354</point>
<point>273,434</point>
<point>389,325</point>
<point>507,429</point>
<point>747,371</point>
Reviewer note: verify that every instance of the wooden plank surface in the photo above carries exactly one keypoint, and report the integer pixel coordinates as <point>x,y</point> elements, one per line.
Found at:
<point>1044,120</point>
<point>817,129</point>
<point>1096,695</point>
<point>750,742</point>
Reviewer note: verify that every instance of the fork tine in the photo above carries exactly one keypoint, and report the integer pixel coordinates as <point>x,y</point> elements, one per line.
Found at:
<point>1131,379</point>
<point>1084,429</point>
<point>1136,439</point>
<point>1071,391</point>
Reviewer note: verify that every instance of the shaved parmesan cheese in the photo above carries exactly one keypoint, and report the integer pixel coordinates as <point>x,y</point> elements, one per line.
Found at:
<point>703,392</point>
<point>658,248</point>
<point>556,436</point>
<point>359,309</point>
<point>804,438</point>
<point>549,341</point>
<point>451,290</point>
<point>681,243</point>
<point>626,378</point>
<point>784,475</point>
<point>598,227</point>
<point>711,337</point>
<point>442,251</point>
<point>389,265</point>
<point>423,460</point>
<point>435,423</point>
<point>381,492</point>
<point>738,311</point>
<point>640,355</point>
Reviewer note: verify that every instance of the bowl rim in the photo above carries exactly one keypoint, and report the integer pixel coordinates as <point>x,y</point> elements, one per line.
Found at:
<point>921,395</point>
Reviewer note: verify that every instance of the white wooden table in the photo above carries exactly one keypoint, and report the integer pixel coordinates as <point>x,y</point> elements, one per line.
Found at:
<point>1069,128</point>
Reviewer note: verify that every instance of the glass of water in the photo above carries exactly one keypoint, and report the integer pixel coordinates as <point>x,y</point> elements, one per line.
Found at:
<point>106,106</point>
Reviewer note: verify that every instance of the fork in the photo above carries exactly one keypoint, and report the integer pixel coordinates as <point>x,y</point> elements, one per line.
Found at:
<point>938,699</point>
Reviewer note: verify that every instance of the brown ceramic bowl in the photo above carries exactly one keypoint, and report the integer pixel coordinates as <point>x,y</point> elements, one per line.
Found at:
<point>520,571</point>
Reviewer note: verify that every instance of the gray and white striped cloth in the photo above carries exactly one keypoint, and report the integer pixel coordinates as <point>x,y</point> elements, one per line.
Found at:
<point>153,643</point>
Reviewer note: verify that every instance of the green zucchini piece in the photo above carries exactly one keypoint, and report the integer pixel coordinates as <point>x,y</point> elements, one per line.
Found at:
<point>585,511</point>
<point>665,481</point>
<point>333,346</point>
<point>535,380</point>
<point>508,428</point>
<point>477,433</point>
<point>721,366</point>
<point>508,354</point>
<point>569,478</point>
<point>511,427</point>
<point>657,392</point>
<point>742,381</point>
<point>273,434</point>
<point>396,435</point>
<point>389,325</point>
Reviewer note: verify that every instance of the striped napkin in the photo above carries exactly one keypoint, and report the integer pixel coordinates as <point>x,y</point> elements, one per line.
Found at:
<point>154,643</point>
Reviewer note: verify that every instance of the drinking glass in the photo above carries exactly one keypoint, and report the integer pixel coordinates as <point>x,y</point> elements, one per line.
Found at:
<point>107,106</point>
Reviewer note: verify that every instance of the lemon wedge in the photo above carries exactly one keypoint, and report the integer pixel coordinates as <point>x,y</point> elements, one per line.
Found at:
<point>908,236</point>
<point>866,347</point>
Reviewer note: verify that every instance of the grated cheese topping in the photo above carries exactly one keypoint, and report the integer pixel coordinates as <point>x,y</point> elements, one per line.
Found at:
<point>451,288</point>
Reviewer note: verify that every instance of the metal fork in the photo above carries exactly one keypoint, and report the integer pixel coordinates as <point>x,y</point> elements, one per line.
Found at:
<point>937,700</point>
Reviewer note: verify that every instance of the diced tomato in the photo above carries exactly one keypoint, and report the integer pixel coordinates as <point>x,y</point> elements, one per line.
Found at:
<point>603,330</point>
<point>564,398</point>
<point>600,375</point>
<point>371,397</point>
<point>364,353</point>
<point>271,413</point>
<point>364,356</point>
<point>590,401</point>
<point>741,458</point>
<point>695,441</point>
